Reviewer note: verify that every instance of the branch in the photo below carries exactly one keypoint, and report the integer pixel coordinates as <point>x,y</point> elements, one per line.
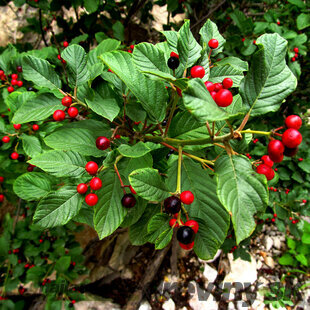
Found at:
<point>41,27</point>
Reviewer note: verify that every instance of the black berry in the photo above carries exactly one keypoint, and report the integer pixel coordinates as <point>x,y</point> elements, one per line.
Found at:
<point>128,201</point>
<point>21,157</point>
<point>173,62</point>
<point>185,235</point>
<point>172,205</point>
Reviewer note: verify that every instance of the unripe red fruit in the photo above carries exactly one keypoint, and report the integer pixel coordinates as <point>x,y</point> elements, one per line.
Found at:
<point>13,82</point>
<point>275,147</point>
<point>218,87</point>
<point>291,138</point>
<point>63,61</point>
<point>1,72</point>
<point>59,57</point>
<point>1,179</point>
<point>6,139</point>
<point>187,197</point>
<point>267,161</point>
<point>73,112</point>
<point>91,199</point>
<point>173,54</point>
<point>20,83</point>
<point>293,59</point>
<point>193,224</point>
<point>227,83</point>
<point>14,155</point>
<point>59,115</point>
<point>17,126</point>
<point>82,188</point>
<point>35,127</point>
<point>224,98</point>
<point>173,222</point>
<point>66,101</point>
<point>213,94</point>
<point>102,143</point>
<point>95,184</point>
<point>65,44</point>
<point>209,85</point>
<point>132,46</point>
<point>10,89</point>
<point>19,69</point>
<point>129,51</point>
<point>14,76</point>
<point>187,247</point>
<point>213,43</point>
<point>296,50</point>
<point>91,167</point>
<point>198,72</point>
<point>266,170</point>
<point>132,190</point>
<point>293,121</point>
<point>1,198</point>
<point>128,201</point>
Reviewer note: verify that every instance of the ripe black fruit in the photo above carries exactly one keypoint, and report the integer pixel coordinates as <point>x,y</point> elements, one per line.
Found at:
<point>173,62</point>
<point>172,205</point>
<point>21,157</point>
<point>128,201</point>
<point>185,235</point>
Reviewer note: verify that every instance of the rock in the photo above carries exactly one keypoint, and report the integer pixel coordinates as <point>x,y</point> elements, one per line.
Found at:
<point>127,274</point>
<point>273,308</point>
<point>218,253</point>
<point>242,272</point>
<point>269,261</point>
<point>209,273</point>
<point>242,305</point>
<point>268,243</point>
<point>258,305</point>
<point>96,305</point>
<point>231,306</point>
<point>277,243</point>
<point>169,304</point>
<point>169,284</point>
<point>201,299</point>
<point>145,305</point>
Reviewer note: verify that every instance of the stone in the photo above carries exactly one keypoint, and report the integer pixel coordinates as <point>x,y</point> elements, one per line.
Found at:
<point>209,273</point>
<point>201,299</point>
<point>231,306</point>
<point>269,261</point>
<point>258,305</point>
<point>169,305</point>
<point>242,305</point>
<point>268,243</point>
<point>126,274</point>
<point>242,272</point>
<point>98,305</point>
<point>277,243</point>
<point>145,305</point>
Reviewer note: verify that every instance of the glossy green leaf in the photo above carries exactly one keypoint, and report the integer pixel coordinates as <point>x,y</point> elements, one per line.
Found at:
<point>135,151</point>
<point>219,73</point>
<point>163,239</point>
<point>31,145</point>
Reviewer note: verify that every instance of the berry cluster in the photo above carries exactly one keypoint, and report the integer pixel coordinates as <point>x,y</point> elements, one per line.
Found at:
<point>14,79</point>
<point>130,50</point>
<point>65,44</point>
<point>220,93</point>
<point>296,51</point>
<point>186,231</point>
<point>60,115</point>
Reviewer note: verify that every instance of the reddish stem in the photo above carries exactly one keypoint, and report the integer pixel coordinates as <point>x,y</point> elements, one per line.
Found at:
<point>120,179</point>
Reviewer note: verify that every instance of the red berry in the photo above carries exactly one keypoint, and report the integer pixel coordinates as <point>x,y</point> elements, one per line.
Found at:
<point>59,57</point>
<point>218,87</point>
<point>275,149</point>
<point>296,50</point>
<point>132,46</point>
<point>213,43</point>
<point>91,199</point>
<point>73,301</point>
<point>267,161</point>
<point>19,69</point>
<point>179,92</point>
<point>95,184</point>
<point>173,222</point>
<point>82,188</point>
<point>65,44</point>
<point>91,167</point>
<point>213,94</point>
<point>63,61</point>
<point>1,197</point>
<point>187,197</point>
<point>128,201</point>
<point>243,39</point>
<point>300,159</point>
<point>117,136</point>
<point>227,83</point>
<point>66,101</point>
<point>132,190</point>
<point>293,59</point>
<point>266,170</point>
<point>173,54</point>
<point>198,72</point>
<point>290,218</point>
<point>193,224</point>
<point>6,139</point>
<point>304,201</point>
<point>102,143</point>
<point>59,115</point>
<point>187,246</point>
<point>10,89</point>
<point>35,127</point>
<point>129,51</point>
<point>1,72</point>
<point>293,121</point>
<point>20,83</point>
<point>13,82</point>
<point>41,240</point>
<point>30,168</point>
<point>273,220</point>
<point>73,112</point>
<point>209,85</point>
<point>294,221</point>
<point>254,41</point>
<point>224,98</point>
<point>278,22</point>
<point>291,138</point>
<point>17,126</point>
<point>14,76</point>
<point>14,155</point>
<point>296,55</point>
<point>1,179</point>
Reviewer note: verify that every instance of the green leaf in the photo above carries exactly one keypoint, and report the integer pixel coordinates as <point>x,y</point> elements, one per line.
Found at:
<point>78,39</point>
<point>85,215</point>
<point>134,214</point>
<point>6,58</point>
<point>163,239</point>
<point>37,109</point>
<point>157,222</point>
<point>35,274</point>
<point>291,243</point>
<point>305,165</point>
<point>200,104</point>
<point>40,72</point>
<point>147,57</point>
<point>91,6</point>
<point>219,73</point>
<point>32,186</point>
<point>75,57</point>
<point>62,264</point>
<point>302,259</point>
<point>103,102</point>
<point>286,259</point>
<point>152,94</point>
<point>31,145</point>
<point>188,48</point>
<point>172,40</point>
<point>16,99</point>
<point>107,45</point>
<point>212,217</point>
<point>58,208</point>
<point>148,184</point>
<point>59,163</point>
<point>298,3</point>
<point>118,31</point>
<point>79,140</point>
<point>303,21</point>
<point>109,212</point>
<point>135,151</point>
<point>242,191</point>
<point>305,238</point>
<point>235,62</point>
<point>269,80</point>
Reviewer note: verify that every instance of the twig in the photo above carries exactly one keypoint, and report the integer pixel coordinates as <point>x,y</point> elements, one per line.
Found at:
<point>41,27</point>
<point>174,256</point>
